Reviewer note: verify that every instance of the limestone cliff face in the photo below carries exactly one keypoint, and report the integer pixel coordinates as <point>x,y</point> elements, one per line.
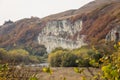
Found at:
<point>114,34</point>
<point>61,33</point>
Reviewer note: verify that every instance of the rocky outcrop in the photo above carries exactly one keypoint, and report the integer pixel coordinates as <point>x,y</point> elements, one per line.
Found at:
<point>114,34</point>
<point>61,33</point>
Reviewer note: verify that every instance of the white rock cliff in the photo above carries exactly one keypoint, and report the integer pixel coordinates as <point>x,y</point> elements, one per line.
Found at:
<point>61,33</point>
<point>114,34</point>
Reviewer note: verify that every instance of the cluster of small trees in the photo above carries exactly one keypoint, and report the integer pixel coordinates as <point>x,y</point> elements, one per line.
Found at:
<point>17,56</point>
<point>62,58</point>
<point>72,58</point>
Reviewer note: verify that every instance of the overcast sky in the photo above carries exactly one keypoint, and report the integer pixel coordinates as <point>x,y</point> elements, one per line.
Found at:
<point>18,9</point>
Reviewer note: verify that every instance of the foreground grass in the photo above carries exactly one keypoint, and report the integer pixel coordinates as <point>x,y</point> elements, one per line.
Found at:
<point>67,73</point>
<point>58,73</point>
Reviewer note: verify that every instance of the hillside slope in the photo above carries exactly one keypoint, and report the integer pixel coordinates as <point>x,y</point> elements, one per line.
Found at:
<point>98,18</point>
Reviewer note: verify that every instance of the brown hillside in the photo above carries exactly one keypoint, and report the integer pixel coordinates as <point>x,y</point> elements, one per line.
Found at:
<point>101,21</point>
<point>99,17</point>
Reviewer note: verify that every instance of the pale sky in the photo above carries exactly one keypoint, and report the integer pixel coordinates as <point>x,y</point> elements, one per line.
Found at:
<point>18,9</point>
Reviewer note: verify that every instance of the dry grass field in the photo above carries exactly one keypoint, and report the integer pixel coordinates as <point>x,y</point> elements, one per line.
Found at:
<point>58,73</point>
<point>68,73</point>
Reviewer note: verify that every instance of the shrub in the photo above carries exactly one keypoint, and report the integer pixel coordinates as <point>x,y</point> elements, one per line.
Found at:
<point>83,62</point>
<point>62,58</point>
<point>33,59</point>
<point>36,50</point>
<point>55,58</point>
<point>94,57</point>
<point>68,59</point>
<point>111,66</point>
<point>18,56</point>
<point>3,55</point>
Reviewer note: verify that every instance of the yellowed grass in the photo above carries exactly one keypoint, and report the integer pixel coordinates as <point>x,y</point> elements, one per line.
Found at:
<point>68,73</point>
<point>59,73</point>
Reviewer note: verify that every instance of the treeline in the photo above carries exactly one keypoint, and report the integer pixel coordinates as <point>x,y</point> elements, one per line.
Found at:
<point>21,56</point>
<point>81,57</point>
<point>86,56</point>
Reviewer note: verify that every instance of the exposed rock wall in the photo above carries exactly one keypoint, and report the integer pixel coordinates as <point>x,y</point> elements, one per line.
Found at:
<point>114,34</point>
<point>61,33</point>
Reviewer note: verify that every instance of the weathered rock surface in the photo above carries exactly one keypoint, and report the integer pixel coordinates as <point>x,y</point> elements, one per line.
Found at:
<point>61,33</point>
<point>114,34</point>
